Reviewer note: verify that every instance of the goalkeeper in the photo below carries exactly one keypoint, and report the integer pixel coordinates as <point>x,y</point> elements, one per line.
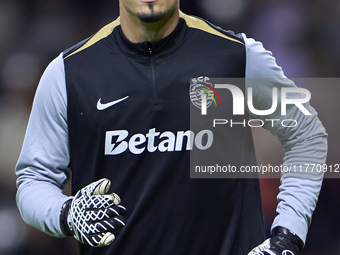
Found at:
<point>113,110</point>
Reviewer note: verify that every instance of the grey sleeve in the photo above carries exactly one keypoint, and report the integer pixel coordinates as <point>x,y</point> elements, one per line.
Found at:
<point>42,168</point>
<point>304,144</point>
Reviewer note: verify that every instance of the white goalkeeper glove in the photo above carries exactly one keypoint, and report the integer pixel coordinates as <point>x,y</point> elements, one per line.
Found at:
<point>92,215</point>
<point>282,242</point>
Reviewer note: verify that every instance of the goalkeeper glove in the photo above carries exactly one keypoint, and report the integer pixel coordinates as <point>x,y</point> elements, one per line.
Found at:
<point>282,242</point>
<point>92,215</point>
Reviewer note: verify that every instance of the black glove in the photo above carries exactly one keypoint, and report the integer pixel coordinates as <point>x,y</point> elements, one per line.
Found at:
<point>282,242</point>
<point>92,215</point>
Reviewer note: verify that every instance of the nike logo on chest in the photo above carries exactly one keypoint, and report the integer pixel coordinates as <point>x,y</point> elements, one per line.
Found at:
<point>101,106</point>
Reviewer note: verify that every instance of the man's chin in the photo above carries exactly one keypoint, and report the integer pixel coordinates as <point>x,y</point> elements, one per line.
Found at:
<point>151,18</point>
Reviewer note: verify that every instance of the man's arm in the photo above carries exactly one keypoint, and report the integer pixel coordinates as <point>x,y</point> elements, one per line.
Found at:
<point>92,215</point>
<point>304,144</point>
<point>42,168</point>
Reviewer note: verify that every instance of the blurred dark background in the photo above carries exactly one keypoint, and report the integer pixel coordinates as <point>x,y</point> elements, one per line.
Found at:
<point>304,36</point>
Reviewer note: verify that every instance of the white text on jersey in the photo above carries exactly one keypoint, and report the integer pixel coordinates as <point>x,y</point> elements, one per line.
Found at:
<point>116,142</point>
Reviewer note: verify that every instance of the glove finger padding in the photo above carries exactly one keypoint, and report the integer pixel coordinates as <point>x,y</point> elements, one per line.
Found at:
<point>106,213</point>
<point>93,214</point>
<point>112,223</point>
<point>102,239</point>
<point>97,201</point>
<point>100,187</point>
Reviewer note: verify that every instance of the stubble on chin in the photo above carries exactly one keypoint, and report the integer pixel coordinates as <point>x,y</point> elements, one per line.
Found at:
<point>152,16</point>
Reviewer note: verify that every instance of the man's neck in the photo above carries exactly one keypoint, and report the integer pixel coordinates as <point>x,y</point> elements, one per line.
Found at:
<point>137,31</point>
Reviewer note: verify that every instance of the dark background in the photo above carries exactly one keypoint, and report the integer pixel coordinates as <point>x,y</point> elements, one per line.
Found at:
<point>303,36</point>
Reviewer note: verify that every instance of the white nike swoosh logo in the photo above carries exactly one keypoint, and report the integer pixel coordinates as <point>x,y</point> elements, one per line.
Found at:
<point>101,106</point>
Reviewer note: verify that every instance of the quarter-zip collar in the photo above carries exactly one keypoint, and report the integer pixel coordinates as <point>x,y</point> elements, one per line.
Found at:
<point>160,48</point>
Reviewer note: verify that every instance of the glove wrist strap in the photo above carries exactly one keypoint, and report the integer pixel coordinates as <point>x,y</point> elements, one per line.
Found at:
<point>284,232</point>
<point>64,218</point>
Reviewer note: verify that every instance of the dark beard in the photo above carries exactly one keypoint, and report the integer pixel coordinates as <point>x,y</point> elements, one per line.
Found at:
<point>152,17</point>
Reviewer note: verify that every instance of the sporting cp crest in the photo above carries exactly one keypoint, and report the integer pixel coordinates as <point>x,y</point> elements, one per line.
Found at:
<point>201,93</point>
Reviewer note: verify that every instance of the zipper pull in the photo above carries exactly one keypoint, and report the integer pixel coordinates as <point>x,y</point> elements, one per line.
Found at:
<point>150,48</point>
